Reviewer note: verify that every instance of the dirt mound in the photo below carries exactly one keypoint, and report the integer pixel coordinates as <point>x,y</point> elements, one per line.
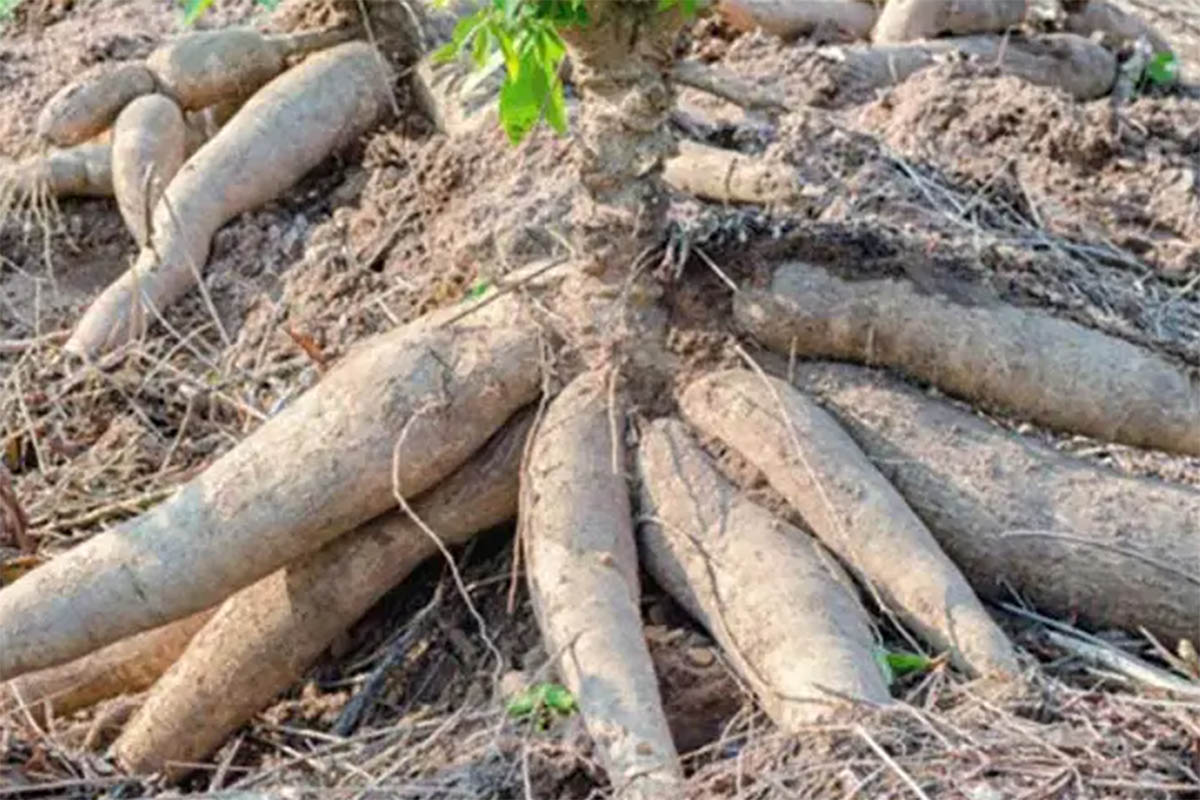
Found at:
<point>1086,171</point>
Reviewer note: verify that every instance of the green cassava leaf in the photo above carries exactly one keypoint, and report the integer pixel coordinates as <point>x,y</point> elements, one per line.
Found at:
<point>1163,69</point>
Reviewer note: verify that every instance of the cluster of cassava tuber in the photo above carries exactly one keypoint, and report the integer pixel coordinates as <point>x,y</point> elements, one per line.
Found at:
<point>885,42</point>
<point>221,597</point>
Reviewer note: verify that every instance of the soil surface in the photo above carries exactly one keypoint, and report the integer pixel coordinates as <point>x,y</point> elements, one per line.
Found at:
<point>964,180</point>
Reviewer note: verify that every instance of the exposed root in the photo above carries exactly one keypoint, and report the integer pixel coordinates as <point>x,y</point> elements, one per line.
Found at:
<point>728,176</point>
<point>788,19</point>
<point>1074,540</point>
<point>908,20</point>
<point>264,504</point>
<point>820,471</point>
<point>127,667</point>
<point>582,572</point>
<point>266,636</point>
<point>776,601</point>
<point>1051,371</point>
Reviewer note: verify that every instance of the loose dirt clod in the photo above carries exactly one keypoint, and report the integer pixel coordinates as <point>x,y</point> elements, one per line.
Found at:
<point>443,391</point>
<point>1051,371</point>
<point>583,580</point>
<point>263,638</point>
<point>1072,538</point>
<point>855,512</point>
<point>776,601</point>
<point>281,133</point>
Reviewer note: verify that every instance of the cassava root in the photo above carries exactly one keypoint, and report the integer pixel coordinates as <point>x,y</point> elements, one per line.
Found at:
<point>263,638</point>
<point>1050,371</point>
<point>1073,539</point>
<point>317,469</point>
<point>856,513</point>
<point>776,602</point>
<point>582,573</point>
<point>287,128</point>
<point>788,19</point>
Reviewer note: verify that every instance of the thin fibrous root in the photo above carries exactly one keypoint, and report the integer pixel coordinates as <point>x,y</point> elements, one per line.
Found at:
<point>778,603</point>
<point>1073,539</point>
<point>318,468</point>
<point>583,580</point>
<point>266,636</point>
<point>1050,371</point>
<point>816,466</point>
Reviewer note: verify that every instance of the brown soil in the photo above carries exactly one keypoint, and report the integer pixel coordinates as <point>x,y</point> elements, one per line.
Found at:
<point>978,184</point>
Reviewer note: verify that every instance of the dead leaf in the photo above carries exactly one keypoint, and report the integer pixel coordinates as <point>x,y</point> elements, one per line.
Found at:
<point>14,568</point>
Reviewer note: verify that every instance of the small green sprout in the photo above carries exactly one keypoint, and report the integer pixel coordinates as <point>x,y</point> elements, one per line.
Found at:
<point>542,702</point>
<point>1163,69</point>
<point>895,664</point>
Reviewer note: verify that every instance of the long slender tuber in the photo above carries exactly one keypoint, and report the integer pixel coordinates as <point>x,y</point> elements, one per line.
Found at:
<point>907,20</point>
<point>87,106</point>
<point>583,580</point>
<point>728,176</point>
<point>778,604</point>
<point>823,474</point>
<point>126,667</point>
<point>148,147</point>
<point>263,638</point>
<point>1050,371</point>
<point>207,67</point>
<point>315,470</point>
<point>788,19</point>
<point>1082,68</point>
<point>285,130</point>
<point>1074,539</point>
<point>1117,27</point>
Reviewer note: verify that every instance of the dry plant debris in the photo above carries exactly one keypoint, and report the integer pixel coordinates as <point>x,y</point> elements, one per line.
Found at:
<point>236,461</point>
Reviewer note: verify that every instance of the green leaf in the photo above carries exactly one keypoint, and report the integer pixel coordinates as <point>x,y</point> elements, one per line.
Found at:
<point>896,664</point>
<point>194,9</point>
<point>478,290</point>
<point>549,696</point>
<point>521,100</point>
<point>1163,69</point>
<point>556,109</point>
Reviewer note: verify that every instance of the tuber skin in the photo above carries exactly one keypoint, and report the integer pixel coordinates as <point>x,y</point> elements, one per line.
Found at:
<point>909,20</point>
<point>84,170</point>
<point>1046,370</point>
<point>263,639</point>
<point>789,19</point>
<point>317,469</point>
<point>1117,27</point>
<point>810,460</point>
<point>283,131</point>
<point>148,147</point>
<point>582,572</point>
<point>126,667</point>
<point>84,108</point>
<point>1074,539</point>
<point>779,605</point>
<point>209,67</point>
<point>728,176</point>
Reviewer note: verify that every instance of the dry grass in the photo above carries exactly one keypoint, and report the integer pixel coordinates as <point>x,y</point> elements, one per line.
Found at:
<point>91,447</point>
